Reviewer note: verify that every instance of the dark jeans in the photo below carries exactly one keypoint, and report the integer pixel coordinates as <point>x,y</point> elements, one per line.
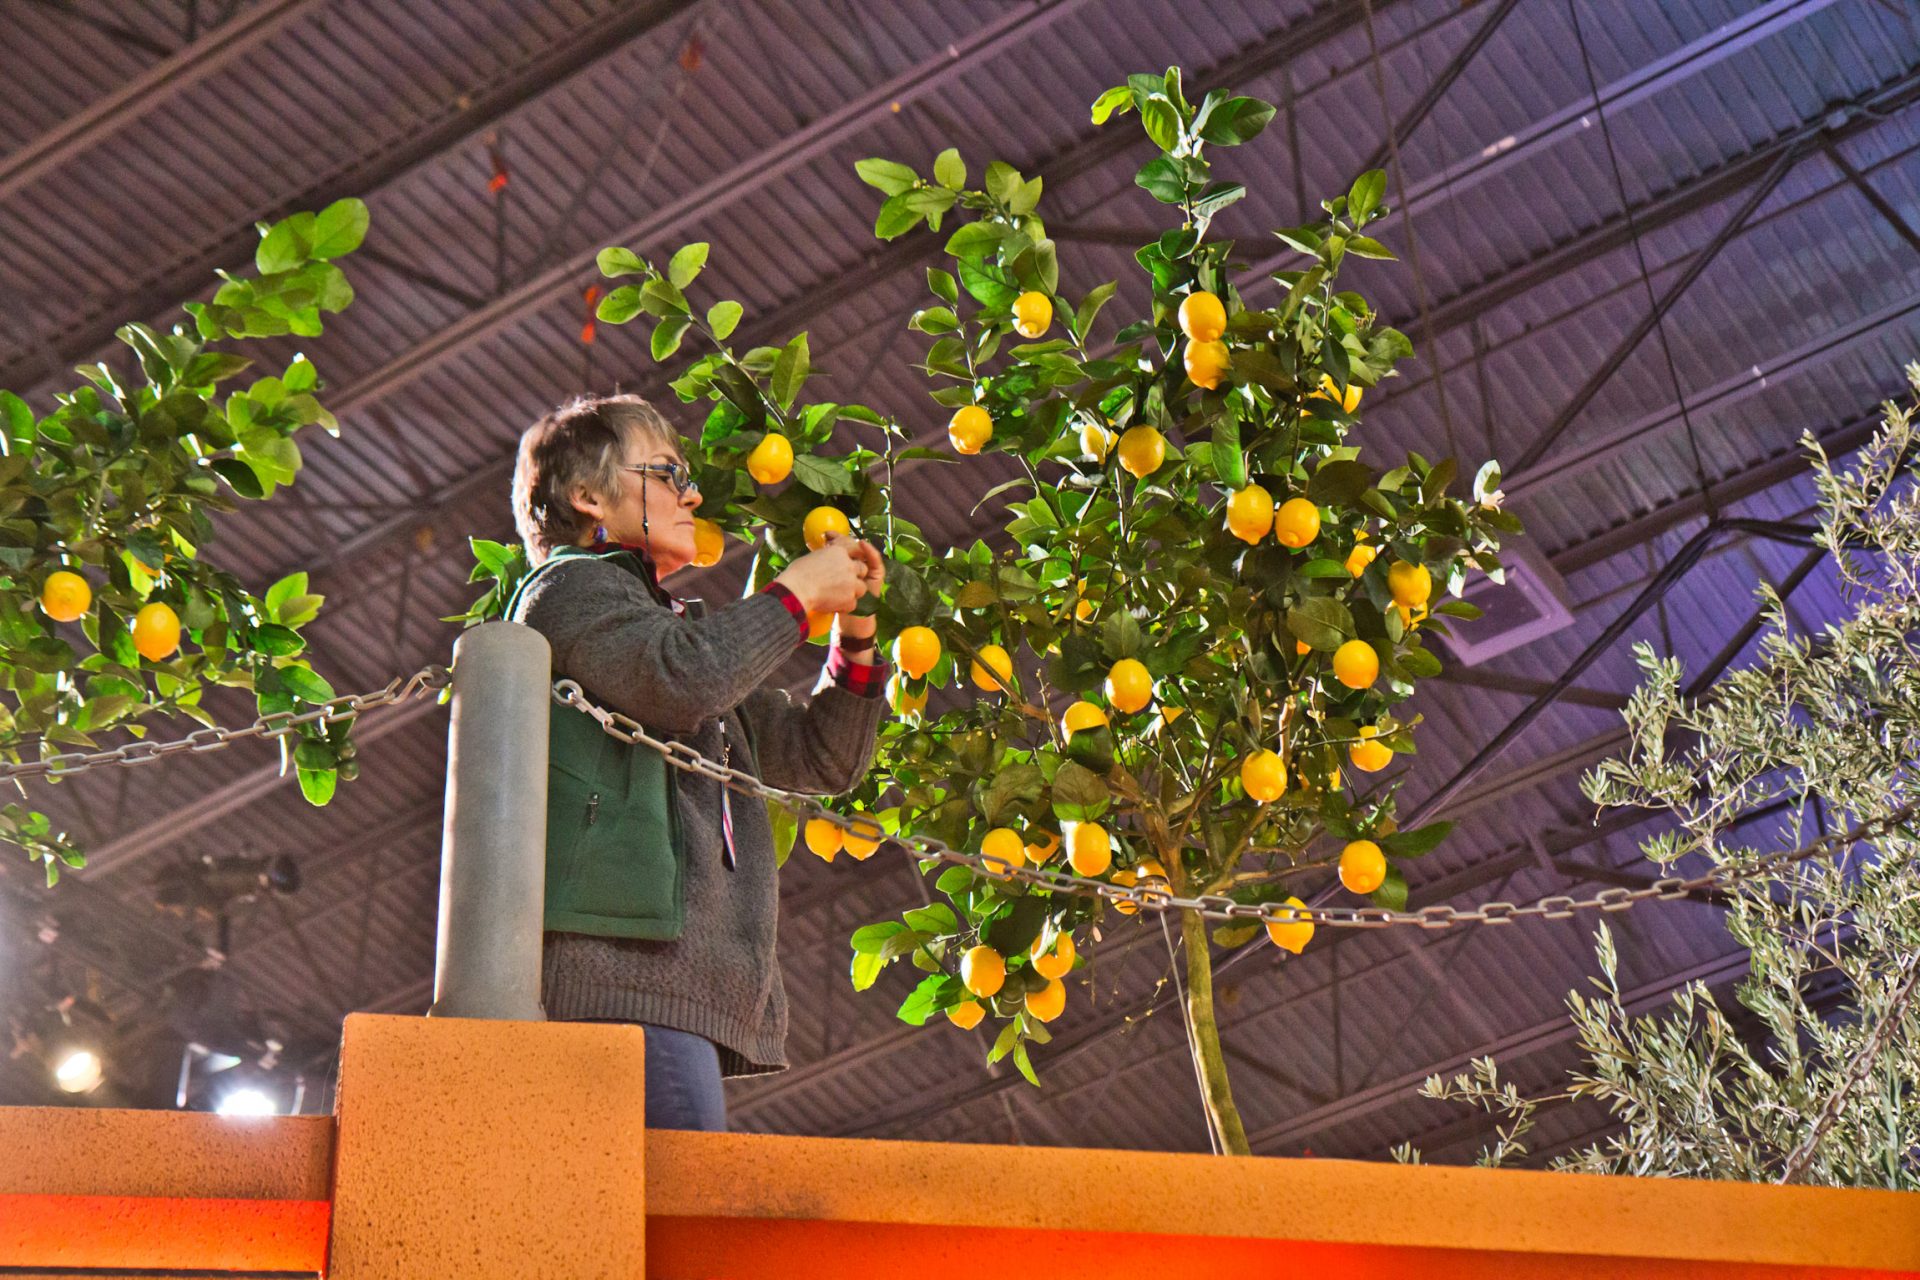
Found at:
<point>683,1080</point>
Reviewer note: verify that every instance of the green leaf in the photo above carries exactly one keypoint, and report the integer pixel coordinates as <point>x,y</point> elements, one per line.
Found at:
<point>931,996</point>
<point>954,880</point>
<point>619,306</point>
<point>1021,1061</point>
<point>1025,199</point>
<point>685,265</point>
<point>1460,609</point>
<point>286,246</point>
<point>1229,462</point>
<point>1368,247</point>
<point>786,829</point>
<point>1420,663</point>
<point>1323,569</point>
<point>1392,893</point>
<point>615,261</point>
<point>1119,98</point>
<point>937,919</point>
<point>1162,178</point>
<point>1233,935</point>
<point>1414,843</point>
<point>1365,194</point>
<point>823,476</point>
<point>243,478</point>
<point>942,285</point>
<point>866,970</point>
<point>949,170</point>
<point>1340,483</point>
<point>897,217</point>
<point>887,175</point>
<point>1079,794</point>
<point>663,298</point>
<point>294,584</point>
<point>278,640</point>
<point>1321,621</point>
<point>667,335</point>
<point>304,684</point>
<point>1090,305</point>
<point>1015,932</point>
<point>1161,122</point>
<point>19,417</point>
<point>317,785</point>
<point>871,939</point>
<point>1236,120</point>
<point>339,228</point>
<point>790,371</point>
<point>722,317</point>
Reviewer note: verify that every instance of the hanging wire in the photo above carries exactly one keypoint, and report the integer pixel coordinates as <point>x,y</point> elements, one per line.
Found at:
<point>1639,253</point>
<point>1413,238</point>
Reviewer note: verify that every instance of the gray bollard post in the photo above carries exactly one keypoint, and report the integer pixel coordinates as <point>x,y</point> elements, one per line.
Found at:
<point>493,849</point>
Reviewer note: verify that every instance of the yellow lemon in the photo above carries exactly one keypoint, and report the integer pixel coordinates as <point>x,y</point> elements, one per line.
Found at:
<point>1203,318</point>
<point>822,521</point>
<point>1360,557</point>
<point>966,1015</point>
<point>1003,844</point>
<point>993,669</point>
<point>1355,664</point>
<point>1032,314</point>
<point>1142,450</point>
<point>1369,755</point>
<point>1250,513</point>
<point>1264,775</point>
<point>818,624</point>
<point>1207,363</point>
<point>1049,1001</point>
<point>1411,584</point>
<point>861,842</point>
<point>970,429</point>
<point>1296,523</point>
<point>65,596</point>
<point>1330,390</point>
<point>1363,867</point>
<point>1129,686</point>
<point>1055,962</point>
<point>824,839</point>
<point>904,702</point>
<point>156,632</point>
<point>1082,715</point>
<point>916,650</point>
<point>708,543</point>
<point>1089,849</point>
<point>771,460</point>
<point>983,971</point>
<point>1291,934</point>
<point>1096,442</point>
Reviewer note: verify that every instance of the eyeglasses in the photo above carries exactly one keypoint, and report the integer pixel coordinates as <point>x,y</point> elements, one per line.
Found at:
<point>677,474</point>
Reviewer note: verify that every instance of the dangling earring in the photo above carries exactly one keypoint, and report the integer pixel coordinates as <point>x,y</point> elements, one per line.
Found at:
<point>600,534</point>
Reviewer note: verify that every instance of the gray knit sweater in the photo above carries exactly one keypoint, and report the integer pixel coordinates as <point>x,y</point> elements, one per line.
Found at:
<point>697,678</point>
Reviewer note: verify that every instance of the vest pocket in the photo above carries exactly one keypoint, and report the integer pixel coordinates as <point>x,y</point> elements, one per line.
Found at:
<point>612,835</point>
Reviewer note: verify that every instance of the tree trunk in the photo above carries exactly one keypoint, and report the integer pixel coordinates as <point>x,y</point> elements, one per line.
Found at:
<point>1205,1032</point>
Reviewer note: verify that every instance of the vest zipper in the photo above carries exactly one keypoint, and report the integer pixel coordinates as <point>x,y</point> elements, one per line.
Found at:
<point>593,807</point>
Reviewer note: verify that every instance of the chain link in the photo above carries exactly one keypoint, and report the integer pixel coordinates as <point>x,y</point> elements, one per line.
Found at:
<point>1151,895</point>
<point>275,724</point>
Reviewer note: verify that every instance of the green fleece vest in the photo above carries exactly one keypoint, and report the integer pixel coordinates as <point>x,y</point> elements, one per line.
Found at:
<point>615,862</point>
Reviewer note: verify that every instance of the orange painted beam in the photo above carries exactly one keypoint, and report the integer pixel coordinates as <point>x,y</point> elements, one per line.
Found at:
<point>805,1200</point>
<point>799,1249</point>
<point>188,1154</point>
<point>153,1232</point>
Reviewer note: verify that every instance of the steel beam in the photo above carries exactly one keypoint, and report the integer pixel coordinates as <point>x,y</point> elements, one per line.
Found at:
<point>458,120</point>
<point>1437,87</point>
<point>147,92</point>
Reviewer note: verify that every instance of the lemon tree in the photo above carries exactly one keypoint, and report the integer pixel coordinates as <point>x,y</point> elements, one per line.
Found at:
<point>111,616</point>
<point>1183,658</point>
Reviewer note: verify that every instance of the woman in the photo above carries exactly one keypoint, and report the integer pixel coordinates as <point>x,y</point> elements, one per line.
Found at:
<point>604,503</point>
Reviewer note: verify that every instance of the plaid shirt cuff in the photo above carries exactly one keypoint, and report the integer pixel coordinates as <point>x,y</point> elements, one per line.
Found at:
<point>792,602</point>
<point>867,679</point>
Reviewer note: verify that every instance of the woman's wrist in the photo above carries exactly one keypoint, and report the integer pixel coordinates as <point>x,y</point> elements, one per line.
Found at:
<point>855,627</point>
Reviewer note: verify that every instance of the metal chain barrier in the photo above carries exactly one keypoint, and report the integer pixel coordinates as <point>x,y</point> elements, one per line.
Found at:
<point>277,724</point>
<point>1147,896</point>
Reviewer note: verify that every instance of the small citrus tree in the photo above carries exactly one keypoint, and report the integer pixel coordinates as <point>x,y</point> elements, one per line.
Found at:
<point>1184,658</point>
<point>1822,1084</point>
<point>110,616</point>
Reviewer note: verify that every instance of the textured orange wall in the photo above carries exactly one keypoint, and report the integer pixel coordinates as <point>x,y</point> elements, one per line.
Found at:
<point>482,1149</point>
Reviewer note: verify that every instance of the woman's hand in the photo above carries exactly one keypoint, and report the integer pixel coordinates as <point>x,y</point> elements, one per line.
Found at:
<point>874,566</point>
<point>830,580</point>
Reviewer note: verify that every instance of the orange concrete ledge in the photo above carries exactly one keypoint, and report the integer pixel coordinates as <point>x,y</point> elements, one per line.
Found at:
<point>739,1204</point>
<point>457,1139</point>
